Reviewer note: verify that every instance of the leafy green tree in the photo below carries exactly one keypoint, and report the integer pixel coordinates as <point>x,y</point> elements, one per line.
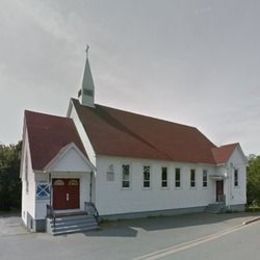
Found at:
<point>10,185</point>
<point>253,180</point>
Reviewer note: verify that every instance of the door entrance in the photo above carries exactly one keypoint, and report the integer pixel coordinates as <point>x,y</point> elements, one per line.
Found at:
<point>220,191</point>
<point>65,193</point>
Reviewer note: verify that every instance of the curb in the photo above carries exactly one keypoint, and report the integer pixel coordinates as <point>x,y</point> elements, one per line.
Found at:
<point>251,221</point>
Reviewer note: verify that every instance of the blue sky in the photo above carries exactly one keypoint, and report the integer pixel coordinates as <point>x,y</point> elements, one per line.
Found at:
<point>192,62</point>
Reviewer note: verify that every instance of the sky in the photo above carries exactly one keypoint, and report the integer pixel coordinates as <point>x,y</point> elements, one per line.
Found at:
<point>195,62</point>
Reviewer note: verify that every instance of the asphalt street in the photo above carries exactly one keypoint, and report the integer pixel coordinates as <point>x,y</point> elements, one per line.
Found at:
<point>243,243</point>
<point>194,236</point>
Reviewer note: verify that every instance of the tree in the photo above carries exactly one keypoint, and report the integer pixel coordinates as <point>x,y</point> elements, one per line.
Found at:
<point>10,185</point>
<point>253,180</point>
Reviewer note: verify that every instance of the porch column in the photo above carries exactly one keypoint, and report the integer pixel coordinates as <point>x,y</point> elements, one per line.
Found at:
<point>50,184</point>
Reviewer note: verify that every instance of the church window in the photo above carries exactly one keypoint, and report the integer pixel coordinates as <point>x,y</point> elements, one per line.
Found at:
<point>192,178</point>
<point>125,176</point>
<point>164,177</point>
<point>177,177</point>
<point>205,178</point>
<point>236,178</point>
<point>146,176</point>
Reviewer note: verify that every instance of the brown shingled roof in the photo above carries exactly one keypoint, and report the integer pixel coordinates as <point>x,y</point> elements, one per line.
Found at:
<point>222,154</point>
<point>47,135</point>
<point>119,133</point>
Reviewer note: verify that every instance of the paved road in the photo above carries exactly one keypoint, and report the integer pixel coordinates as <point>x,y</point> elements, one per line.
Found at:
<point>11,225</point>
<point>130,239</point>
<point>241,244</point>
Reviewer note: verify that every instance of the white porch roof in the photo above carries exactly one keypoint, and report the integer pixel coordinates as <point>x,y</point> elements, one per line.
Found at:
<point>217,177</point>
<point>70,159</point>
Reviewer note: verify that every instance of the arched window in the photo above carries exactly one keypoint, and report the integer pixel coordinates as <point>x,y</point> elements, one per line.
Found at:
<point>59,183</point>
<point>73,183</point>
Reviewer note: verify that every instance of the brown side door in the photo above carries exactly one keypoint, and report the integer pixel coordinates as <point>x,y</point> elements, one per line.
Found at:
<point>219,190</point>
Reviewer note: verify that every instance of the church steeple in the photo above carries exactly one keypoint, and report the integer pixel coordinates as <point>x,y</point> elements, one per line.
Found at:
<point>87,92</point>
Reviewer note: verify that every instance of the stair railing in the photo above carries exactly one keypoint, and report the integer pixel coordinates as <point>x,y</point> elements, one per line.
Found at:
<point>91,209</point>
<point>51,213</point>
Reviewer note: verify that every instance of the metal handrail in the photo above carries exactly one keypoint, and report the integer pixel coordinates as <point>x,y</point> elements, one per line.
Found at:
<point>91,209</point>
<point>51,213</point>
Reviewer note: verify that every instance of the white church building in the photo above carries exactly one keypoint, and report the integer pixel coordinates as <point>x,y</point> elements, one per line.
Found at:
<point>101,161</point>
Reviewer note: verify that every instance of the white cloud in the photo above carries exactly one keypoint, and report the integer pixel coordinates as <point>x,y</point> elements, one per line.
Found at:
<point>188,62</point>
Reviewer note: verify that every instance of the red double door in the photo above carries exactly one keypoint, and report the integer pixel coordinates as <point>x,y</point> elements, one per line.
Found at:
<point>219,191</point>
<point>65,193</point>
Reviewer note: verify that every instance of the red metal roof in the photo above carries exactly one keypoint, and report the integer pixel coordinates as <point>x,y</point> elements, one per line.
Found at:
<point>222,154</point>
<point>47,135</point>
<point>115,132</point>
<point>119,133</point>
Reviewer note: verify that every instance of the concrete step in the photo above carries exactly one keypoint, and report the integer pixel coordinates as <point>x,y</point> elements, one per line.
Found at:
<point>74,217</point>
<point>72,231</point>
<point>72,220</point>
<point>72,227</point>
<point>216,208</point>
<point>71,224</point>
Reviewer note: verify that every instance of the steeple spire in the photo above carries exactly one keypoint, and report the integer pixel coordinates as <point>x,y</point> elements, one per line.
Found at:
<point>87,92</point>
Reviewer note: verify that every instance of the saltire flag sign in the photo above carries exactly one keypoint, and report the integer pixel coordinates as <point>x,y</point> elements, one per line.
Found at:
<point>43,191</point>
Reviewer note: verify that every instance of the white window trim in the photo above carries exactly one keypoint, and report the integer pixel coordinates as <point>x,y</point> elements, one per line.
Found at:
<point>195,180</point>
<point>150,180</point>
<point>167,187</point>
<point>238,183</point>
<point>130,176</point>
<point>205,187</point>
<point>181,181</point>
